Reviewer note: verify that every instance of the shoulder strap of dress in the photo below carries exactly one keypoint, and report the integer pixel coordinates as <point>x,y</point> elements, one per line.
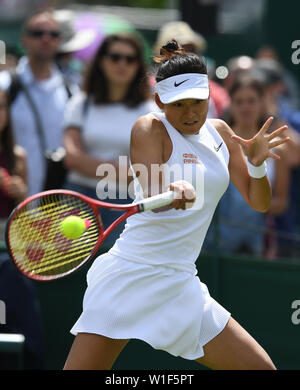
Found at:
<point>173,133</point>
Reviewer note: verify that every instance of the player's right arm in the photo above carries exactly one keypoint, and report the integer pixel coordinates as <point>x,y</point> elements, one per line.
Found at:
<point>146,151</point>
<point>149,150</point>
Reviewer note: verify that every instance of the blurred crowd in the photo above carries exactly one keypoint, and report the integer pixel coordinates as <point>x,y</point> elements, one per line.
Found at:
<point>61,118</point>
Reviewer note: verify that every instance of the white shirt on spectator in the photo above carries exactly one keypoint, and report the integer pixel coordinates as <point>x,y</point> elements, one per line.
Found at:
<point>105,129</point>
<point>50,97</point>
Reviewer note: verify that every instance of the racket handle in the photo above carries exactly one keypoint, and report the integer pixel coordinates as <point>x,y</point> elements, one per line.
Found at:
<point>157,201</point>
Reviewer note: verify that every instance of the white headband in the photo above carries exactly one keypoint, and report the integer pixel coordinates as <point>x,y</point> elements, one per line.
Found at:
<point>183,86</point>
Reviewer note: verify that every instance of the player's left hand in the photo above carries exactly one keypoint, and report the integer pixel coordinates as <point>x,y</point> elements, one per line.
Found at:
<point>258,148</point>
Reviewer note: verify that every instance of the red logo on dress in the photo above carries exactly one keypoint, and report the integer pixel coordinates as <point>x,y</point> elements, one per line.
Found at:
<point>190,158</point>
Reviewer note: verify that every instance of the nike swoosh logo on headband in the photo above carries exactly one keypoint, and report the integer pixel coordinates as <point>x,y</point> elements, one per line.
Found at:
<point>177,84</point>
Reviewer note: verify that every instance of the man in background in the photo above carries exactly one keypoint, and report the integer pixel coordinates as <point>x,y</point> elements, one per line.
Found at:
<point>38,74</point>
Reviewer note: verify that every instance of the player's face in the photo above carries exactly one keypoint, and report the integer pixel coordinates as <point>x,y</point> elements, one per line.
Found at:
<point>3,110</point>
<point>42,37</point>
<point>120,63</point>
<point>246,106</point>
<point>187,115</point>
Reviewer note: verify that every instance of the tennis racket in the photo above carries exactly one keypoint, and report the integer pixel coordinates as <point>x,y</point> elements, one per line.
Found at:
<point>35,241</point>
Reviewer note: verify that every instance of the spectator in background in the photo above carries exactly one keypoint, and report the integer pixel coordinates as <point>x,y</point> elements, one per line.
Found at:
<point>71,41</point>
<point>237,66</point>
<point>193,42</point>
<point>13,188</point>
<point>22,312</point>
<point>99,119</point>
<point>291,91</point>
<point>39,75</point>
<point>270,73</point>
<point>242,229</point>
<point>287,224</point>
<point>282,91</point>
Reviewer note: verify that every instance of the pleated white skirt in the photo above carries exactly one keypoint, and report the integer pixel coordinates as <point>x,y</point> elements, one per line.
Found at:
<point>169,309</point>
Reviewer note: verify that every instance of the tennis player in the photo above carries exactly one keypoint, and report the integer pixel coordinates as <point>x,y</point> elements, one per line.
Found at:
<point>146,286</point>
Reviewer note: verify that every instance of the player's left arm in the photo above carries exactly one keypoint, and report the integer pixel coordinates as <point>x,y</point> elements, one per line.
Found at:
<point>256,192</point>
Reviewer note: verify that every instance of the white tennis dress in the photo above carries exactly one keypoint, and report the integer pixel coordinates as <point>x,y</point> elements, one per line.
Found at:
<point>146,287</point>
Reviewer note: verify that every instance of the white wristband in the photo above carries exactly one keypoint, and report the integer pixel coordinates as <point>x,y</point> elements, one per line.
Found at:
<point>257,172</point>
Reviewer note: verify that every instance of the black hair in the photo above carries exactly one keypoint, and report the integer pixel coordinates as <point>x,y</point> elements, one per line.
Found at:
<point>249,80</point>
<point>174,60</point>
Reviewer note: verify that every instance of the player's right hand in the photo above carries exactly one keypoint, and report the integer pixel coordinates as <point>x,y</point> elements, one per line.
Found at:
<point>185,195</point>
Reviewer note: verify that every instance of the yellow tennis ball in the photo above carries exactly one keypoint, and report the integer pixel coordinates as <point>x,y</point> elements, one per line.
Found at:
<point>73,227</point>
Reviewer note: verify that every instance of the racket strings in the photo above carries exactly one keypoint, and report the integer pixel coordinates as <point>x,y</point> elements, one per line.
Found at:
<point>36,240</point>
<point>61,244</point>
<point>57,260</point>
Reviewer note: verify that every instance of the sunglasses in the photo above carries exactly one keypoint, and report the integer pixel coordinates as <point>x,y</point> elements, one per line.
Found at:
<point>35,33</point>
<point>116,57</point>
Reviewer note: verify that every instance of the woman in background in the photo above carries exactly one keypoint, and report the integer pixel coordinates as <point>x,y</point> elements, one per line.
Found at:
<point>99,121</point>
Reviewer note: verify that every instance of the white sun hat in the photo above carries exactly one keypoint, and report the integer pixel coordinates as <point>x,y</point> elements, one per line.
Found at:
<point>182,32</point>
<point>72,40</point>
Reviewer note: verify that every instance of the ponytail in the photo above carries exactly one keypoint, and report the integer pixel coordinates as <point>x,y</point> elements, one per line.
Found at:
<point>170,49</point>
<point>174,60</point>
